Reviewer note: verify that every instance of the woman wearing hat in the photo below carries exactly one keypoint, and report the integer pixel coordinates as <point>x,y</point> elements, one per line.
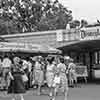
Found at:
<point>38,73</point>
<point>16,86</point>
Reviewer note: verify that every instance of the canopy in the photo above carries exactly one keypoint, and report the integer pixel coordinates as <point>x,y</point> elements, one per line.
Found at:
<point>83,45</point>
<point>26,47</point>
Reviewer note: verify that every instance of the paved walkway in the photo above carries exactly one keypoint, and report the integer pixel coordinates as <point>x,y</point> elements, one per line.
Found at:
<point>86,92</point>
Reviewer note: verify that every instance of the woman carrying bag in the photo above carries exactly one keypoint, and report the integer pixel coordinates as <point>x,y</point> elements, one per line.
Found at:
<point>17,86</point>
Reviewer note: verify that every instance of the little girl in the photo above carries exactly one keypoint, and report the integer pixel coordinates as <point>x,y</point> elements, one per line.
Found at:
<point>56,84</point>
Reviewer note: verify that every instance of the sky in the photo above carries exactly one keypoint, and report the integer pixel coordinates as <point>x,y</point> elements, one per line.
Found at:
<point>83,9</point>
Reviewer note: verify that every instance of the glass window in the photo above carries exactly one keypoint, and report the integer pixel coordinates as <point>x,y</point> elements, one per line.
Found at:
<point>96,57</point>
<point>99,57</point>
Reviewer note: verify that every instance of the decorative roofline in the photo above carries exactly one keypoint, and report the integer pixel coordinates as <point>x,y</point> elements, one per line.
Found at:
<point>32,33</point>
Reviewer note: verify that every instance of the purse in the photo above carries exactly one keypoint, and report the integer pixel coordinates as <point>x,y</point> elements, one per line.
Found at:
<point>24,78</point>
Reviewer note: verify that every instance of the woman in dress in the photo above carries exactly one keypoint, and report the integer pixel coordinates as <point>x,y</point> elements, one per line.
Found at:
<point>50,72</point>
<point>72,73</point>
<point>38,73</point>
<point>61,68</point>
<point>16,86</point>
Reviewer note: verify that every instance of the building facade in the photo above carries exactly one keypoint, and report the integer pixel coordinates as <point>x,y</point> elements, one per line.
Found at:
<point>57,38</point>
<point>82,45</point>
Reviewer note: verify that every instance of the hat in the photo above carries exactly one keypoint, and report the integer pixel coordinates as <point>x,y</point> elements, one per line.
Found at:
<point>71,60</point>
<point>40,57</point>
<point>66,57</point>
<point>34,58</point>
<point>16,59</point>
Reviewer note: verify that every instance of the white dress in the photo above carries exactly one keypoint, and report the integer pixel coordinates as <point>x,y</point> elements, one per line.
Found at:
<point>72,72</point>
<point>50,74</point>
<point>56,81</point>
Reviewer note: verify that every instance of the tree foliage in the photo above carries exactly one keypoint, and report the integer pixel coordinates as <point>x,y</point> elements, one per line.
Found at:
<point>7,27</point>
<point>75,23</point>
<point>33,15</point>
<point>78,24</point>
<point>84,23</point>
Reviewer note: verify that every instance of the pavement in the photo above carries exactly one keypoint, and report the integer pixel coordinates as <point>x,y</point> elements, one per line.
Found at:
<point>82,92</point>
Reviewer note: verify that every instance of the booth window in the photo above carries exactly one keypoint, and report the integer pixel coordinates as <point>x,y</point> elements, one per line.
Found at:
<point>96,57</point>
<point>99,57</point>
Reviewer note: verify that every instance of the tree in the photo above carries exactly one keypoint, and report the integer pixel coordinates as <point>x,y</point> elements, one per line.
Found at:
<point>74,23</point>
<point>57,17</point>
<point>7,27</point>
<point>34,15</point>
<point>83,23</point>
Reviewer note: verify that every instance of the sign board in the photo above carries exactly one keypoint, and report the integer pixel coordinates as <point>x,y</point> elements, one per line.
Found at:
<point>81,71</point>
<point>12,45</point>
<point>59,36</point>
<point>90,33</point>
<point>97,73</point>
<point>7,46</point>
<point>27,47</point>
<point>68,35</point>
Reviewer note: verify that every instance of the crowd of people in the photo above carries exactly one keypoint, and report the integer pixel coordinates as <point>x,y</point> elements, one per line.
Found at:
<point>20,74</point>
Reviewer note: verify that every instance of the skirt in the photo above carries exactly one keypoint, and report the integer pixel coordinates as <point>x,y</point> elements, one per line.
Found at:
<point>17,85</point>
<point>38,76</point>
<point>64,80</point>
<point>72,76</point>
<point>49,78</point>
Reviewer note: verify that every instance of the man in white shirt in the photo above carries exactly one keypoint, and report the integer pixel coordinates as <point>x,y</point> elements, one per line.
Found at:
<point>6,64</point>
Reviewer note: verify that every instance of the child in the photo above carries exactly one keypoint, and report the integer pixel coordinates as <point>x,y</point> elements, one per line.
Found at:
<point>56,84</point>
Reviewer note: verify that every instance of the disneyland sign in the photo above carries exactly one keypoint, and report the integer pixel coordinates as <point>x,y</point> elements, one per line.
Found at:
<point>90,33</point>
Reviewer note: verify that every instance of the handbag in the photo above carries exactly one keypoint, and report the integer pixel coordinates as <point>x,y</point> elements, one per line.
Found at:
<point>24,78</point>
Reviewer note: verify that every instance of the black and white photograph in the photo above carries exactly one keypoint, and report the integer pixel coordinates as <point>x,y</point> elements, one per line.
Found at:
<point>49,50</point>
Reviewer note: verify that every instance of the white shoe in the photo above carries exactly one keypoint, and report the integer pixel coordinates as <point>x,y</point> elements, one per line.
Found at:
<point>53,99</point>
<point>50,94</point>
<point>22,99</point>
<point>13,99</point>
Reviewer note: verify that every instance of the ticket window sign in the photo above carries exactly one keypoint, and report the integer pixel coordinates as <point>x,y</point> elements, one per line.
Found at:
<point>97,73</point>
<point>81,71</point>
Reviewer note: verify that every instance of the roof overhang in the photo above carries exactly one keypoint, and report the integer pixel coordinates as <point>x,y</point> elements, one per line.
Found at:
<point>27,47</point>
<point>82,45</point>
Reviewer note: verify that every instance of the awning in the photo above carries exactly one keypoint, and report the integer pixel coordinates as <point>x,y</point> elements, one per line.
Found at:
<point>82,45</point>
<point>26,47</point>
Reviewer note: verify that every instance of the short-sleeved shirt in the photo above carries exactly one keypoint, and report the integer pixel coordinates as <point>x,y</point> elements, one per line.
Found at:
<point>71,66</point>
<point>37,66</point>
<point>51,68</point>
<point>61,67</point>
<point>6,63</point>
<point>29,66</point>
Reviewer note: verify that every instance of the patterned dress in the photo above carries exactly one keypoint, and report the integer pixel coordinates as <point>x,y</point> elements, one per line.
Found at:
<point>62,71</point>
<point>38,74</point>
